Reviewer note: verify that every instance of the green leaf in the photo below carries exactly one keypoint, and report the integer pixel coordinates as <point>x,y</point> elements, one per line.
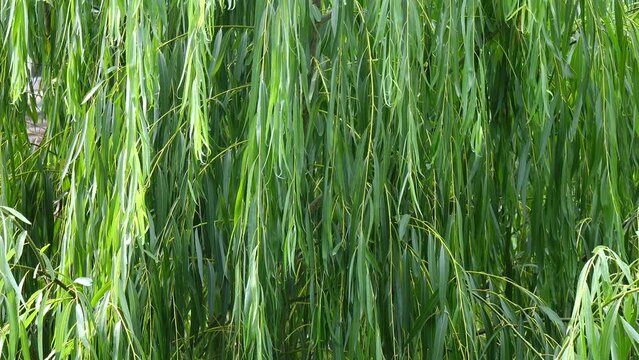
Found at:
<point>84,281</point>
<point>15,213</point>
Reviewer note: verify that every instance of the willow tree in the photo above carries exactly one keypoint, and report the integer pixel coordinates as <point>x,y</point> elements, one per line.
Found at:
<point>319,179</point>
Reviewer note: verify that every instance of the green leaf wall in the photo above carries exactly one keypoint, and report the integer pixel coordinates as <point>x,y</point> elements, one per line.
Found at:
<point>319,179</point>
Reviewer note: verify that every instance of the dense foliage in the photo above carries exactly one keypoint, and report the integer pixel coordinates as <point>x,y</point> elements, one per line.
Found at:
<point>345,179</point>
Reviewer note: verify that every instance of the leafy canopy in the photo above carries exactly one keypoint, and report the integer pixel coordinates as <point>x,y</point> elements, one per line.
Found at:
<point>319,179</point>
